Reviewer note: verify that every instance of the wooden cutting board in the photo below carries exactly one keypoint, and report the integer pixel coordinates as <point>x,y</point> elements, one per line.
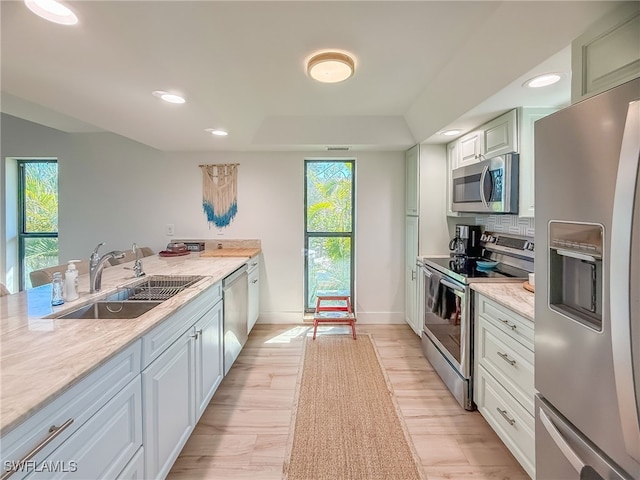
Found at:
<point>231,252</point>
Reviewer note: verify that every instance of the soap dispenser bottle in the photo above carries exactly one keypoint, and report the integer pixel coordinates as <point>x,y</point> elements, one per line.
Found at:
<point>71,282</point>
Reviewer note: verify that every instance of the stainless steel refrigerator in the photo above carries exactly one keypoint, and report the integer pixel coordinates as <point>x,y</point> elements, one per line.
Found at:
<point>587,304</point>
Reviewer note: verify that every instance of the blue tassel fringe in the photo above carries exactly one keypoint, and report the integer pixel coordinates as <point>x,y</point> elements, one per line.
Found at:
<point>220,220</point>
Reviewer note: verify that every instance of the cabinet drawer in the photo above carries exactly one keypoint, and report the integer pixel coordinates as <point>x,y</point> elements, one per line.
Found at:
<point>253,263</point>
<point>161,337</point>
<point>508,361</point>
<point>104,445</point>
<point>78,403</point>
<point>513,424</point>
<point>514,325</point>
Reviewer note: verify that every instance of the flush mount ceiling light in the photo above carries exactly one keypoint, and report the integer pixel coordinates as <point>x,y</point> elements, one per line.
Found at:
<point>216,131</point>
<point>53,11</point>
<point>543,80</point>
<point>330,67</point>
<point>450,133</point>
<point>168,97</point>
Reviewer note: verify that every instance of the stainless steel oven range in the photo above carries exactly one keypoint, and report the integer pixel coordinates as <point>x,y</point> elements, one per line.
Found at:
<point>447,335</point>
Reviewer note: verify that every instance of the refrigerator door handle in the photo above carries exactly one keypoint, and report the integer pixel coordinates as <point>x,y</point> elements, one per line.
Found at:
<point>621,230</point>
<point>575,461</point>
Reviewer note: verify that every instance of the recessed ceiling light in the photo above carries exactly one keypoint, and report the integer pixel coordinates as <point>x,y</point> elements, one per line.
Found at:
<point>450,133</point>
<point>169,97</point>
<point>217,131</point>
<point>53,11</point>
<point>330,67</point>
<point>543,80</point>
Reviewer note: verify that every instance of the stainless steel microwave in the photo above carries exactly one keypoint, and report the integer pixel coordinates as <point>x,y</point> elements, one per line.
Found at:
<point>489,186</point>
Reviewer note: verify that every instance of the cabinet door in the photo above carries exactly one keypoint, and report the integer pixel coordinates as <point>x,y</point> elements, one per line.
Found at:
<point>411,180</point>
<point>526,206</point>
<point>452,162</point>
<point>500,135</point>
<point>411,249</point>
<point>209,357</point>
<point>103,446</point>
<point>470,147</point>
<point>169,403</point>
<point>254,298</point>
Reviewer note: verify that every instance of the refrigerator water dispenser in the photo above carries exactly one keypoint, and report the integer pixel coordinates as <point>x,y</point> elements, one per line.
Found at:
<point>575,271</point>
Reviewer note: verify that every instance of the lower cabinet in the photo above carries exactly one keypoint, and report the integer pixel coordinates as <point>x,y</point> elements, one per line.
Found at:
<point>177,387</point>
<point>253,307</point>
<point>504,377</point>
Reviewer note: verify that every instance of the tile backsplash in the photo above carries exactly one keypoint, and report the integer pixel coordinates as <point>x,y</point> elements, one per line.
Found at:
<point>507,224</point>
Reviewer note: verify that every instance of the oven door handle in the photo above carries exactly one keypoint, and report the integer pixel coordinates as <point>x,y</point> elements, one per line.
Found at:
<point>452,285</point>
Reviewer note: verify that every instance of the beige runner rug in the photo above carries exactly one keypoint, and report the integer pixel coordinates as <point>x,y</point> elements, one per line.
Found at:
<point>346,423</point>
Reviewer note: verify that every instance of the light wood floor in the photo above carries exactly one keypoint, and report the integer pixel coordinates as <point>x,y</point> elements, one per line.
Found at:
<point>243,433</point>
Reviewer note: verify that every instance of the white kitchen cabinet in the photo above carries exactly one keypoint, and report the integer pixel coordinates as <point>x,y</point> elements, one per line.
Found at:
<point>500,135</point>
<point>97,420</point>
<point>504,377</point>
<point>253,277</point>
<point>168,387</point>
<point>411,274</point>
<point>452,163</point>
<point>526,120</point>
<point>209,368</point>
<point>101,447</point>
<point>412,179</point>
<point>470,147</point>
<point>607,54</point>
<point>179,383</point>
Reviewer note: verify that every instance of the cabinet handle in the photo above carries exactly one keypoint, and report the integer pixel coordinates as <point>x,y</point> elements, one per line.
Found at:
<point>53,433</point>
<point>511,421</point>
<point>506,358</point>
<point>510,325</point>
<point>197,334</point>
<point>413,274</point>
<point>255,280</point>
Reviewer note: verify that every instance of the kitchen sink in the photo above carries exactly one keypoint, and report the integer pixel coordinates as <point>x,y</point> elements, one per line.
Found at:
<point>134,300</point>
<point>155,288</point>
<point>112,310</point>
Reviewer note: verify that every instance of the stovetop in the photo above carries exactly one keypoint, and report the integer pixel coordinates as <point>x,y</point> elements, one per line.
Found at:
<point>513,253</point>
<point>467,272</point>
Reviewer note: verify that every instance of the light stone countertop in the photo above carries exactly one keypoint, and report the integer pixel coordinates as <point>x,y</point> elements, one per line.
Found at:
<point>41,357</point>
<point>510,295</point>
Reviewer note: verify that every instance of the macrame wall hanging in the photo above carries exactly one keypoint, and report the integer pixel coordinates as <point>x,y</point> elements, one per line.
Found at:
<point>220,193</point>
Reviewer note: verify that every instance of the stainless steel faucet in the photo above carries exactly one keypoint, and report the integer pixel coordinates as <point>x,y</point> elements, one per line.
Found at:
<point>138,271</point>
<point>96,265</point>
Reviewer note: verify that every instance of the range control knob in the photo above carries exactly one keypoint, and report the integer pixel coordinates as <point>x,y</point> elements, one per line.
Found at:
<point>530,246</point>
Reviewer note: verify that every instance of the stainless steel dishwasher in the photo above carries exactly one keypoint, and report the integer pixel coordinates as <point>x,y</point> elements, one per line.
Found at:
<point>235,295</point>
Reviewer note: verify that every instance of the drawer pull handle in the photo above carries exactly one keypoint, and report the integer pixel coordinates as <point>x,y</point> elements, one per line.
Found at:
<point>506,358</point>
<point>196,334</point>
<point>255,280</point>
<point>511,421</point>
<point>510,325</point>
<point>53,433</point>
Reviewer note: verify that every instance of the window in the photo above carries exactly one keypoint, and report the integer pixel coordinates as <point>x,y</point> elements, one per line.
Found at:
<point>329,224</point>
<point>37,216</point>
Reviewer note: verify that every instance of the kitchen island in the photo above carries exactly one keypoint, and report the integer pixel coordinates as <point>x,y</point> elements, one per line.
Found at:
<point>42,357</point>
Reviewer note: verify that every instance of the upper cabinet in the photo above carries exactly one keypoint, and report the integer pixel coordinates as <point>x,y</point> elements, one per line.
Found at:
<point>412,179</point>
<point>526,120</point>
<point>497,137</point>
<point>607,54</point>
<point>500,135</point>
<point>469,148</point>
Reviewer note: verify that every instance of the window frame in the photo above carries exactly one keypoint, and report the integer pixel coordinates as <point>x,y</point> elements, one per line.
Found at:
<point>22,217</point>
<point>308,235</point>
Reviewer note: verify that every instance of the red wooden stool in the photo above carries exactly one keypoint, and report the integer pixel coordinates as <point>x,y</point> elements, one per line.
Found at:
<point>341,313</point>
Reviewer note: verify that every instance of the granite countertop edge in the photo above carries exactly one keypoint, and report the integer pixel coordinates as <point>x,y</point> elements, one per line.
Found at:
<point>510,295</point>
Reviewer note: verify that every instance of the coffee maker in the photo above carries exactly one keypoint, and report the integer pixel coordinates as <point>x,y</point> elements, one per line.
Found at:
<point>466,243</point>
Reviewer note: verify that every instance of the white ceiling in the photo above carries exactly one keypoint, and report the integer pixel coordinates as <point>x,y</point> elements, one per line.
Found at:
<point>421,66</point>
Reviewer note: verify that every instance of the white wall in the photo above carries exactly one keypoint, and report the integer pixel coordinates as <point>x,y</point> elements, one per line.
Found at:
<point>118,191</point>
